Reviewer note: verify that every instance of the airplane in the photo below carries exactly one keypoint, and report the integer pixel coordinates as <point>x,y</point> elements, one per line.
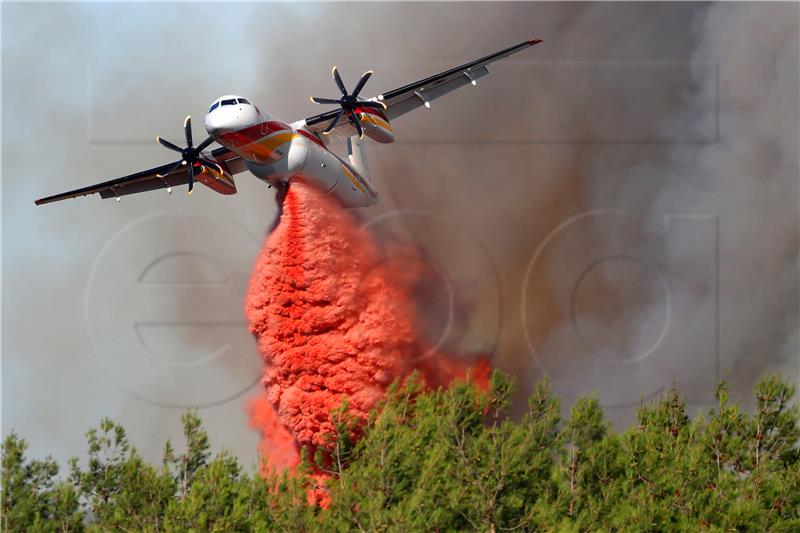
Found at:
<point>278,152</point>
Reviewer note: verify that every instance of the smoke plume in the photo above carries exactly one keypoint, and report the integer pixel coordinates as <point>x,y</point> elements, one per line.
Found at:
<point>638,198</point>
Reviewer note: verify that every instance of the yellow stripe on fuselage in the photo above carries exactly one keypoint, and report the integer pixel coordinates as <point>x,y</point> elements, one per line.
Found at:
<point>353,179</point>
<point>266,146</point>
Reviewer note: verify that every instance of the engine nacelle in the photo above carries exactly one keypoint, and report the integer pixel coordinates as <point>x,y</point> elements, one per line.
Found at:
<point>376,125</point>
<point>219,180</point>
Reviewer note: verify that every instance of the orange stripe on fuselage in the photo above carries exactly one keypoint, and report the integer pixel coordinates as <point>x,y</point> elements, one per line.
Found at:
<point>261,140</point>
<point>265,147</point>
<point>251,134</point>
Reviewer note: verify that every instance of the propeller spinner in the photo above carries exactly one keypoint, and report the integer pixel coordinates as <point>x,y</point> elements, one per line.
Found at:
<point>348,102</point>
<point>191,155</point>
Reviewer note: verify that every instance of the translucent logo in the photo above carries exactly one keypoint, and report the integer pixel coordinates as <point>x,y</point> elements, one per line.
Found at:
<point>164,309</point>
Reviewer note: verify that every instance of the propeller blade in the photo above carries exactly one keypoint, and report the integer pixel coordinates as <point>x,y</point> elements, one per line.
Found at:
<point>166,144</point>
<point>335,122</point>
<point>171,170</point>
<point>191,179</point>
<point>338,80</point>
<point>187,127</point>
<point>203,145</point>
<point>361,82</point>
<point>317,100</point>
<point>373,105</point>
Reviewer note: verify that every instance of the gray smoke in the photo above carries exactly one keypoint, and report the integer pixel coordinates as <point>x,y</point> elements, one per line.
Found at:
<point>717,216</point>
<point>633,182</point>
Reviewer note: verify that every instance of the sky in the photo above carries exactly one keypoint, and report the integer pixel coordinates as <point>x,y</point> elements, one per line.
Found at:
<point>615,208</point>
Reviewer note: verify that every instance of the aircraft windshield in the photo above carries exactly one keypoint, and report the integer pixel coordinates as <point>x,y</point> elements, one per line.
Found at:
<point>229,101</point>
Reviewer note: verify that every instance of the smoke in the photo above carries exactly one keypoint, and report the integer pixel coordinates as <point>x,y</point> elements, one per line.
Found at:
<point>637,196</point>
<point>715,216</point>
<point>335,320</point>
<point>749,177</point>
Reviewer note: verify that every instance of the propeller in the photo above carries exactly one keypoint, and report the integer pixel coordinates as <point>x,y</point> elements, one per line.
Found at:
<point>191,155</point>
<point>348,102</point>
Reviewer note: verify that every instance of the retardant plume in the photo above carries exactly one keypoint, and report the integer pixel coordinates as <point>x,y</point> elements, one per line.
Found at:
<point>334,318</point>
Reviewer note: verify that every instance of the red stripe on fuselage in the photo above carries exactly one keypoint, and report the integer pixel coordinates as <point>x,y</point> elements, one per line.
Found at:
<point>253,133</point>
<point>310,137</point>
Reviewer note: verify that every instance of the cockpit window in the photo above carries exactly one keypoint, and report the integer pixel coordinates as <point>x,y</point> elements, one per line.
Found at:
<point>243,101</point>
<point>232,101</point>
<point>213,106</point>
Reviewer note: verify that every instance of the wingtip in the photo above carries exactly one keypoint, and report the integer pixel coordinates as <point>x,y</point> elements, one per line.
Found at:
<point>531,42</point>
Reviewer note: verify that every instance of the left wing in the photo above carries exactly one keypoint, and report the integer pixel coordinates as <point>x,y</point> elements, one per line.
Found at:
<point>409,97</point>
<point>149,180</point>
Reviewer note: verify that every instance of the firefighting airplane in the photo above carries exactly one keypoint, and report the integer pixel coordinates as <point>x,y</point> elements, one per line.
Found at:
<point>277,152</point>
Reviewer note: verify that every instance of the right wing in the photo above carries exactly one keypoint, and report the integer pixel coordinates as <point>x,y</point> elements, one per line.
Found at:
<point>149,180</point>
<point>409,97</point>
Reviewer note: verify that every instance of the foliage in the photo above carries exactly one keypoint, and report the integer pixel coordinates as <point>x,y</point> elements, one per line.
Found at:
<point>445,460</point>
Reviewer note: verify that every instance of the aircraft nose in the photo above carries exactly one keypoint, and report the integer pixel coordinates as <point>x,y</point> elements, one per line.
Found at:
<point>213,123</point>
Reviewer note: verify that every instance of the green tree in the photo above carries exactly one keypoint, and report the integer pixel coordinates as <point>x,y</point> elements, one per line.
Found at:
<point>197,453</point>
<point>445,460</point>
<point>32,497</point>
<point>220,498</point>
<point>120,489</point>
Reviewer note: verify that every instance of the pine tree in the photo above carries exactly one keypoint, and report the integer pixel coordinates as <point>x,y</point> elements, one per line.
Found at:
<point>32,498</point>
<point>445,460</point>
<point>185,466</point>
